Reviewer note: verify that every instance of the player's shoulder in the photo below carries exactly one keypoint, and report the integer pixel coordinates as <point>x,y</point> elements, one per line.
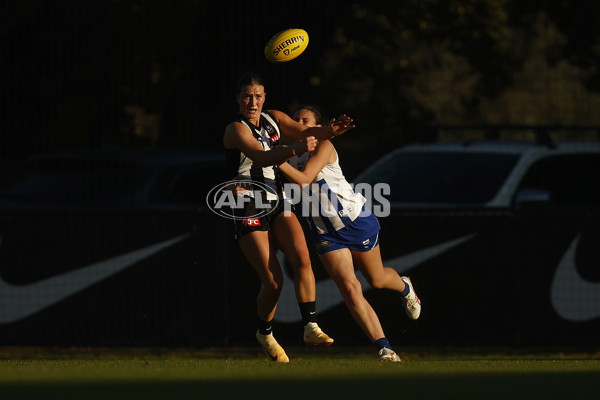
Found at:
<point>235,131</point>
<point>325,146</point>
<point>236,126</point>
<point>276,114</point>
<point>328,150</point>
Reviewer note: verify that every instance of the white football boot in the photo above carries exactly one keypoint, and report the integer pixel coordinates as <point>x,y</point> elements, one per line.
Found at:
<point>411,300</point>
<point>386,354</point>
<point>314,336</point>
<point>272,348</point>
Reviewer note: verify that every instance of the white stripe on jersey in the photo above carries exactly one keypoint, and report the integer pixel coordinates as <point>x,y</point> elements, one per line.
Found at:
<point>332,201</point>
<point>264,140</point>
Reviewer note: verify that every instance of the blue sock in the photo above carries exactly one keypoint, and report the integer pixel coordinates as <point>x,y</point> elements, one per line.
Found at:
<point>381,343</point>
<point>406,289</point>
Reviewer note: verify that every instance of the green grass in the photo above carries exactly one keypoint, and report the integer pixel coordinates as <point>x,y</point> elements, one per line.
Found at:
<point>246,374</point>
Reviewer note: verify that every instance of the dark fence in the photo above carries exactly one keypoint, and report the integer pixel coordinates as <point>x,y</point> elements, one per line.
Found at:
<point>176,279</point>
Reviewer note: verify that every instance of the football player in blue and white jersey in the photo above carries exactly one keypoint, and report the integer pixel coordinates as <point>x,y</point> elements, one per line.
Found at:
<point>345,232</point>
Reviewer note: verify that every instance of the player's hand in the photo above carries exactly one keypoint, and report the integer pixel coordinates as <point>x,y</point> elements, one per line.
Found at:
<point>241,186</point>
<point>305,145</point>
<point>342,124</point>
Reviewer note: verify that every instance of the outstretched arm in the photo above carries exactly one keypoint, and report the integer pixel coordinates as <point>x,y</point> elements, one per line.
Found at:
<point>238,136</point>
<point>323,155</point>
<point>296,130</point>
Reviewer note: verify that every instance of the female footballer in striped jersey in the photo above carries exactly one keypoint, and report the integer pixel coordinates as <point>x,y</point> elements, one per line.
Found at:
<point>254,151</point>
<point>345,232</point>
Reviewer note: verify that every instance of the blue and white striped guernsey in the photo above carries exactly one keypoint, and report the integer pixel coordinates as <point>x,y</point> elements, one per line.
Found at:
<point>329,201</point>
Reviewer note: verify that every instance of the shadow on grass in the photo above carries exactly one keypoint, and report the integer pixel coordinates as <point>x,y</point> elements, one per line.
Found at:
<point>570,385</point>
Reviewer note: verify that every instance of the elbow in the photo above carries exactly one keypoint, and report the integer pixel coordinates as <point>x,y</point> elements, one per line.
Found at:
<point>300,182</point>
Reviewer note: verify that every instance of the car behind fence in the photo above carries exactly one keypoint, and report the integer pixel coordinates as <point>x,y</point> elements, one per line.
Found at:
<point>119,248</point>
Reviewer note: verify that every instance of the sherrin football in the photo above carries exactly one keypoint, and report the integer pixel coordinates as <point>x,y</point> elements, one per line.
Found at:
<point>286,45</point>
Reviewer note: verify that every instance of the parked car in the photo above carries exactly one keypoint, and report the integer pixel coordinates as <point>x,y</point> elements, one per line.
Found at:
<point>500,239</point>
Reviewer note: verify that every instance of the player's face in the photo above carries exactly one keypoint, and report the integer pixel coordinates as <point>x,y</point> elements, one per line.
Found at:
<point>250,101</point>
<point>305,117</point>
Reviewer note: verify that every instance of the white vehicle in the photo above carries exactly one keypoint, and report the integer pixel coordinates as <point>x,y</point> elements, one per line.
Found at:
<point>490,174</point>
<point>500,237</point>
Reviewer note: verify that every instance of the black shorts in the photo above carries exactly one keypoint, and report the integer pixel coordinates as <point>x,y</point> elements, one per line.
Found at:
<point>243,225</point>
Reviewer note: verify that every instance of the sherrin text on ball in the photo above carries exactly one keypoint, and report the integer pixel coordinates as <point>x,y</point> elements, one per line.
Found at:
<point>286,45</point>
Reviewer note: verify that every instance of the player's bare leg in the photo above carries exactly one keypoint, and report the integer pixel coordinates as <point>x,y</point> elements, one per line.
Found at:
<point>340,268</point>
<point>290,239</point>
<point>380,277</point>
<point>259,249</point>
<point>339,265</point>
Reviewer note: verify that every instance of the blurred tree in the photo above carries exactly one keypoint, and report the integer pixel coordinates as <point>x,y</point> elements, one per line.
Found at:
<point>400,67</point>
<point>392,57</point>
<point>577,21</point>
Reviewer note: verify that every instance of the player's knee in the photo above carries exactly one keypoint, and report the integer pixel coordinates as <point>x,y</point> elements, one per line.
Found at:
<point>304,261</point>
<point>351,289</point>
<point>301,263</point>
<point>376,281</point>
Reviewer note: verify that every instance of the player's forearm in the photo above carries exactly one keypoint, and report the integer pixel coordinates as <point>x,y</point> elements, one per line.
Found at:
<point>320,132</point>
<point>294,175</point>
<point>274,156</point>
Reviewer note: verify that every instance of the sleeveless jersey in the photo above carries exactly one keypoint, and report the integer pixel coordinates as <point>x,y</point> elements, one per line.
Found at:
<point>268,135</point>
<point>330,201</point>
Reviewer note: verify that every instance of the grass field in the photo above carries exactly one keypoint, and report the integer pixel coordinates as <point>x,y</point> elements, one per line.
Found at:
<point>101,373</point>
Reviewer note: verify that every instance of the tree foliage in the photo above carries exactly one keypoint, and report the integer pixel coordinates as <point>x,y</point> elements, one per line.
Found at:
<point>385,51</point>
<point>404,64</point>
<point>160,73</point>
